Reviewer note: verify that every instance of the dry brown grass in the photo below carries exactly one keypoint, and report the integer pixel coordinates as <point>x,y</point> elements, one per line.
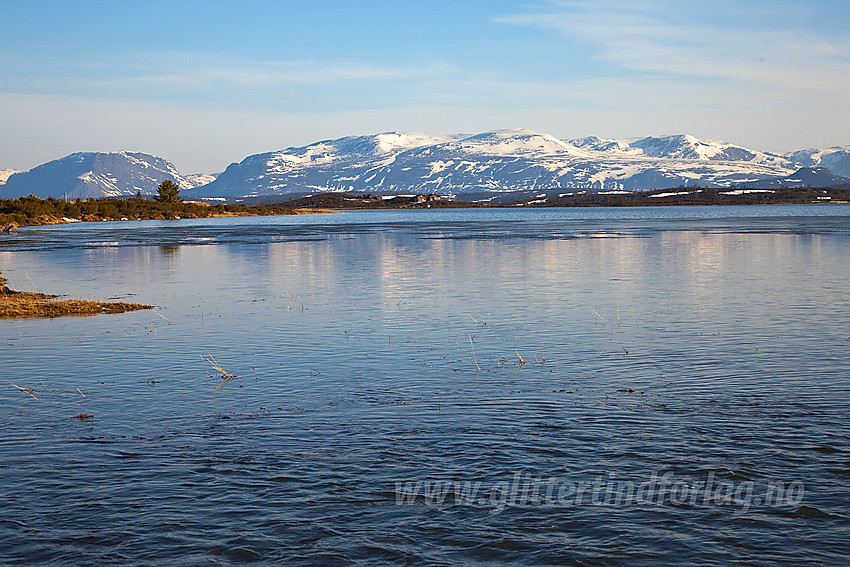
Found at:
<point>222,214</point>
<point>24,304</point>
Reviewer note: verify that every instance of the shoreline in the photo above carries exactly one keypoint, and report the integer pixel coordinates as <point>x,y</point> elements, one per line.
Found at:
<point>30,305</point>
<point>33,211</point>
<point>52,220</point>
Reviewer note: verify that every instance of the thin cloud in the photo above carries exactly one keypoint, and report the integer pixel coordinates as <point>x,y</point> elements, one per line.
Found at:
<point>199,71</point>
<point>645,39</point>
<point>266,73</point>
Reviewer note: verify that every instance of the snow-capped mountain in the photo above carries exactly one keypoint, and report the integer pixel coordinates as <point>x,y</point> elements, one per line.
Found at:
<point>478,166</point>
<point>330,165</point>
<point>684,146</point>
<point>605,145</point>
<point>497,162</point>
<point>6,173</point>
<point>836,159</point>
<point>196,180</point>
<point>514,142</point>
<point>94,174</point>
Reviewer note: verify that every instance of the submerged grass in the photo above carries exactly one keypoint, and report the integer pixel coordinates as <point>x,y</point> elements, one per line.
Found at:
<point>227,376</point>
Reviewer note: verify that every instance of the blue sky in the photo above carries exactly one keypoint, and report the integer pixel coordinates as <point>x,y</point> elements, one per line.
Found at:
<point>207,83</point>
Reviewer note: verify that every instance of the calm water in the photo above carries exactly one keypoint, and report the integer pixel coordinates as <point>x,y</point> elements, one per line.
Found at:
<point>592,386</point>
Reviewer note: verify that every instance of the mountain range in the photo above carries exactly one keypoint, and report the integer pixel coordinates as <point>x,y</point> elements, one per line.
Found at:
<point>479,166</point>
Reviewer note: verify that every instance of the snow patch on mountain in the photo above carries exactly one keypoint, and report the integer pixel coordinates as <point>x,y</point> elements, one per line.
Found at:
<point>804,177</point>
<point>194,180</point>
<point>513,142</point>
<point>6,174</point>
<point>605,145</point>
<point>350,148</point>
<point>685,146</point>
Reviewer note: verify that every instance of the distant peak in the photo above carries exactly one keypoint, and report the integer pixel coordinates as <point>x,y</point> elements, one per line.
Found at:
<point>512,133</point>
<point>510,141</point>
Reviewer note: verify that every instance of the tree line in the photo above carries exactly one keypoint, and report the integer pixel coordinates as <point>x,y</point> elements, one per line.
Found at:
<point>166,204</point>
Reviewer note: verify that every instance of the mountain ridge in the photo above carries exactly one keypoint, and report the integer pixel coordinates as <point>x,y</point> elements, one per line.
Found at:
<point>460,165</point>
<point>95,174</point>
<point>506,160</point>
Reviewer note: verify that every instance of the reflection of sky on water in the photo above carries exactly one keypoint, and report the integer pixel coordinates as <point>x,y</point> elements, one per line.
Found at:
<point>365,267</point>
<point>378,347</point>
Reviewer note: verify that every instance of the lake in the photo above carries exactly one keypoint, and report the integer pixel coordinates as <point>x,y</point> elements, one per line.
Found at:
<point>601,386</point>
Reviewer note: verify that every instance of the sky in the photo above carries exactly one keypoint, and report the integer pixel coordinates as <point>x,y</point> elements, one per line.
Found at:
<point>207,83</point>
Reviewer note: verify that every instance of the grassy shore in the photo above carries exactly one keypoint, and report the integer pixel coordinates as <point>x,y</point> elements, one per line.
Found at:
<point>33,211</point>
<point>23,304</point>
<point>29,211</point>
